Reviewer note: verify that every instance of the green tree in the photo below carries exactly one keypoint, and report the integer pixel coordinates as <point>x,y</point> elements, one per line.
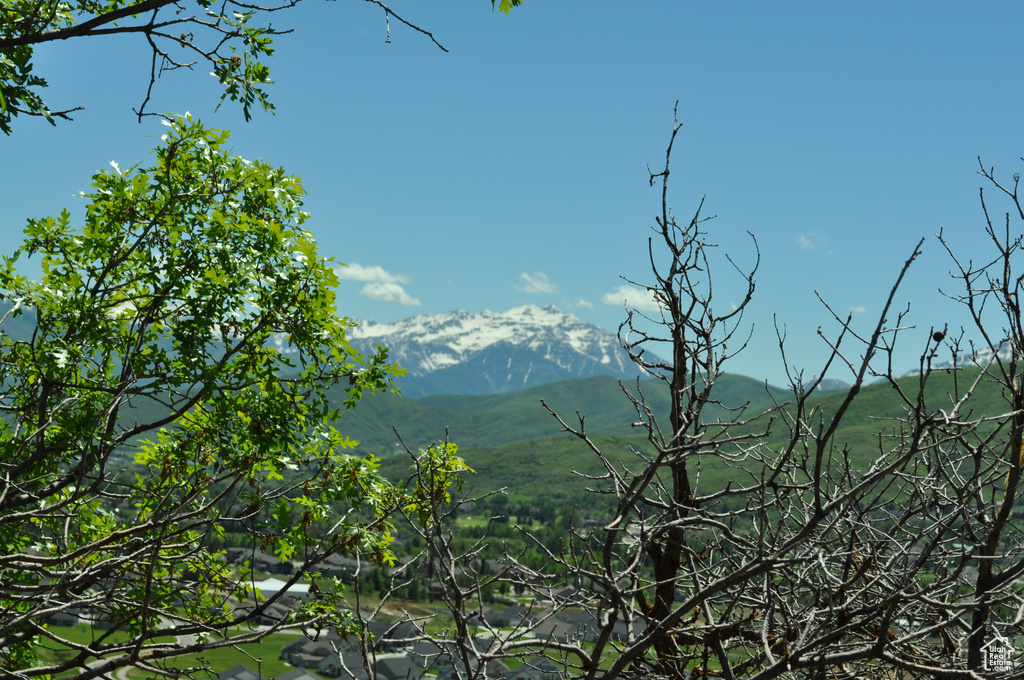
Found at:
<point>175,379</point>
<point>233,38</point>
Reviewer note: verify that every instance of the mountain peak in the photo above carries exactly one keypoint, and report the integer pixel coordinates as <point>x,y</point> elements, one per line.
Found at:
<point>497,351</point>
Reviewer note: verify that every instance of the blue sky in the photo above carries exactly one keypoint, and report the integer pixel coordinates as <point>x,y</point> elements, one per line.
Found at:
<point>513,169</point>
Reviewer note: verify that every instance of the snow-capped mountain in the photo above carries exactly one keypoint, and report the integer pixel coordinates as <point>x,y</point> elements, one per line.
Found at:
<point>493,352</point>
<point>979,357</point>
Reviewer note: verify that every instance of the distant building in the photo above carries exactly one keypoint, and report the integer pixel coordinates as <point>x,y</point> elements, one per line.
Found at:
<point>272,614</point>
<point>537,668</point>
<point>399,667</point>
<point>306,653</point>
<point>63,618</point>
<point>446,669</point>
<point>240,672</point>
<point>392,635</point>
<point>243,672</point>
<point>348,666</point>
<point>297,674</point>
<point>516,615</point>
<point>273,586</point>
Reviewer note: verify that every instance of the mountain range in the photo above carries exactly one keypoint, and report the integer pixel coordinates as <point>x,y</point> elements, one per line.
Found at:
<point>495,352</point>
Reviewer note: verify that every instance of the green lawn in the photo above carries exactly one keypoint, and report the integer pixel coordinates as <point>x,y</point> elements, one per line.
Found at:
<point>262,656</point>
<point>50,651</point>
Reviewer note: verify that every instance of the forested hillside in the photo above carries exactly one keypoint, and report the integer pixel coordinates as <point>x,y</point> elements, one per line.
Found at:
<point>500,419</point>
<point>512,442</point>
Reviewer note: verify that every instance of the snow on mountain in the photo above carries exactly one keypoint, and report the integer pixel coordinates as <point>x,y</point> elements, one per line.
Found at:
<point>491,352</point>
<point>981,357</point>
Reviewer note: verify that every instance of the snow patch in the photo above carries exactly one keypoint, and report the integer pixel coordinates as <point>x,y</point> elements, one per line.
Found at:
<point>437,361</point>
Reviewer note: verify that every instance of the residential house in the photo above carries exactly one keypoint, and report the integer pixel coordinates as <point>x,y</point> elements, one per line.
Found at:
<point>398,667</point>
<point>341,567</point>
<point>436,590</point>
<point>271,615</point>
<point>64,617</point>
<point>240,672</point>
<point>551,628</point>
<point>273,586</point>
<point>308,653</point>
<point>516,615</point>
<point>243,672</point>
<point>347,666</point>
<point>567,596</point>
<point>392,635</point>
<point>446,669</point>
<point>297,674</point>
<point>590,629</point>
<point>427,654</point>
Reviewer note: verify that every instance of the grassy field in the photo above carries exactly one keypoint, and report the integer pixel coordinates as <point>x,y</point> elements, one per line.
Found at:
<point>50,651</point>
<point>262,657</point>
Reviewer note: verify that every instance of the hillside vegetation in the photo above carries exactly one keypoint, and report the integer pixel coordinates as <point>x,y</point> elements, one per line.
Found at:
<point>500,419</point>
<point>511,442</point>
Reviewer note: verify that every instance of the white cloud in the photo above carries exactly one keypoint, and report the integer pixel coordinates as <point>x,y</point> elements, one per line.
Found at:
<point>581,304</point>
<point>389,292</point>
<point>374,274</point>
<point>858,309</point>
<point>381,285</point>
<point>636,298</point>
<point>537,283</point>
<point>813,241</point>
